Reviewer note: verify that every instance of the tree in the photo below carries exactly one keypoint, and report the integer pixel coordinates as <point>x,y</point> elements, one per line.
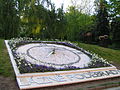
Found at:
<point>9,19</point>
<point>114,13</point>
<point>114,8</point>
<point>34,16</point>
<point>60,23</point>
<point>115,27</point>
<point>77,23</point>
<point>56,24</point>
<point>83,6</point>
<point>102,22</point>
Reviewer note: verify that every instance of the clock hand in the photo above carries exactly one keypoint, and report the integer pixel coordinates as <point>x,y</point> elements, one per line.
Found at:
<point>49,54</point>
<point>52,52</point>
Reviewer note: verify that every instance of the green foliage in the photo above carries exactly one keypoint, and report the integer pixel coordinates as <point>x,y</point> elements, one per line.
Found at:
<point>114,8</point>
<point>35,20</point>
<point>114,16</point>
<point>8,19</point>
<point>40,18</point>
<point>55,25</point>
<point>30,17</point>
<point>102,22</point>
<point>77,22</point>
<point>115,27</point>
<point>39,21</point>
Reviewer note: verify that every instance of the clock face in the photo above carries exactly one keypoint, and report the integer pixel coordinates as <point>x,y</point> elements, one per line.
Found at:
<point>53,55</point>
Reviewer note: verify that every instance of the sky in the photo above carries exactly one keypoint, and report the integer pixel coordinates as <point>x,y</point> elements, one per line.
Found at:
<point>58,3</point>
<point>79,3</point>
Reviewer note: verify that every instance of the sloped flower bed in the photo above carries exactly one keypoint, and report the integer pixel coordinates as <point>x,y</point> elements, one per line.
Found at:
<point>25,66</point>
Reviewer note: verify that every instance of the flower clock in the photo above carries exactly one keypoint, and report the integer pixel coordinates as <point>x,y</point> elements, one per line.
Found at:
<point>42,56</point>
<point>49,63</point>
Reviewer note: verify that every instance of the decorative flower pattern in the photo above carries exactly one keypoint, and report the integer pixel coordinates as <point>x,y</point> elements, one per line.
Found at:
<point>27,67</point>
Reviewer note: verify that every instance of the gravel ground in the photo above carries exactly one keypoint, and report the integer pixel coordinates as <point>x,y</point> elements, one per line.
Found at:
<point>7,83</point>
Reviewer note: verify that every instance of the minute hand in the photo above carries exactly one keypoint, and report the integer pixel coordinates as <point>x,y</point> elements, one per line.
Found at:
<point>49,54</point>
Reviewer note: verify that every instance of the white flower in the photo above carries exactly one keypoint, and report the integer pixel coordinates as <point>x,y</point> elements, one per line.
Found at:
<point>19,63</point>
<point>29,64</point>
<point>31,67</point>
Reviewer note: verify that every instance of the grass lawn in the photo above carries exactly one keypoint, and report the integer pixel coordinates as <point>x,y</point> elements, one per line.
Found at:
<point>110,54</point>
<point>7,70</point>
<point>5,64</point>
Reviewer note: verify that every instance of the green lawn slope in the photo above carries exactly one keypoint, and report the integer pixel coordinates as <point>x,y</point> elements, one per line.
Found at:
<point>109,54</point>
<point>5,64</point>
